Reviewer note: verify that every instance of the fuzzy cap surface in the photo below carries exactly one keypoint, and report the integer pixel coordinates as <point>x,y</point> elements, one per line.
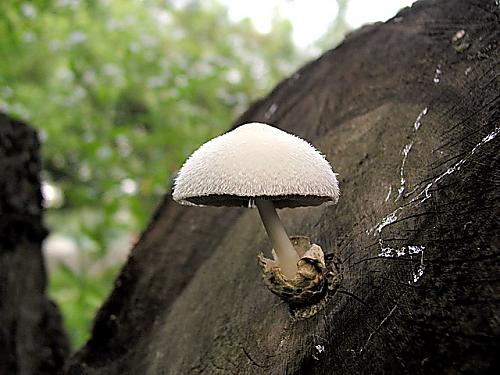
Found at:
<point>256,161</point>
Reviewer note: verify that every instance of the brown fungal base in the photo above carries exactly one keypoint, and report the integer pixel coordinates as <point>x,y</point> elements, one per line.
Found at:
<point>315,282</point>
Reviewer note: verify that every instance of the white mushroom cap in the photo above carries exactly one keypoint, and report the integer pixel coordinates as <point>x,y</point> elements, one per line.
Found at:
<point>256,161</point>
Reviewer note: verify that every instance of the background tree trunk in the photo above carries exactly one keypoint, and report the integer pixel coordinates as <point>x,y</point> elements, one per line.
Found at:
<point>32,340</point>
<point>408,113</point>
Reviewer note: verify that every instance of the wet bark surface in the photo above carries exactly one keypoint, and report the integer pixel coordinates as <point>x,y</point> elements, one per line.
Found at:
<point>408,113</point>
<point>32,340</point>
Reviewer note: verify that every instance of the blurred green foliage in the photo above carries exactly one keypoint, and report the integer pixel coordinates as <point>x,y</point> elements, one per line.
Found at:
<point>337,29</point>
<point>80,297</point>
<point>122,91</point>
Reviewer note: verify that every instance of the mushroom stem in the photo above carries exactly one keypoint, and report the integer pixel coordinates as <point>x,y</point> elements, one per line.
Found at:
<point>287,256</point>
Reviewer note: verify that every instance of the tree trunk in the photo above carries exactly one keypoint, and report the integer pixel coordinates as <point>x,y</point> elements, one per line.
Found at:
<point>32,340</point>
<point>408,112</point>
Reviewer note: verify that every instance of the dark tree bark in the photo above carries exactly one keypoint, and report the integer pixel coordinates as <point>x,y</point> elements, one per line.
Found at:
<point>408,113</point>
<point>32,340</point>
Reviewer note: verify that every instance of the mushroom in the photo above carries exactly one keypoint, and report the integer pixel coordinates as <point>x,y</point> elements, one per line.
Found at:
<point>259,165</point>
